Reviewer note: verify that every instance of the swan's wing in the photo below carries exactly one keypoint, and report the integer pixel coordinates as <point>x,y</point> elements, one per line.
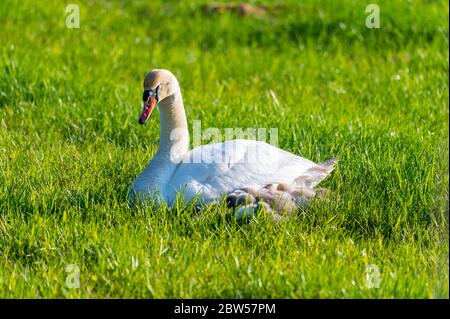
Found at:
<point>217,169</point>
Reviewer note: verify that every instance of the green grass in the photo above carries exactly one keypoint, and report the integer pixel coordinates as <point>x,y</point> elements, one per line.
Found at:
<point>70,146</point>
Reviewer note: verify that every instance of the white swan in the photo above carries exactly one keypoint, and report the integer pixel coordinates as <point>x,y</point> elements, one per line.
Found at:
<point>250,173</point>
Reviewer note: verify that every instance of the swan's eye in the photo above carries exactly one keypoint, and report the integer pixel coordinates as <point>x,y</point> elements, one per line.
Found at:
<point>146,95</point>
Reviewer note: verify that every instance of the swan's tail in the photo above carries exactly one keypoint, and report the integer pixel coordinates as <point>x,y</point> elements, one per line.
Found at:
<point>314,175</point>
<point>277,198</point>
<point>329,165</point>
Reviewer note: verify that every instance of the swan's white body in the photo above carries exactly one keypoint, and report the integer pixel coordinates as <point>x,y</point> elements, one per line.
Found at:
<point>210,171</point>
<point>209,181</point>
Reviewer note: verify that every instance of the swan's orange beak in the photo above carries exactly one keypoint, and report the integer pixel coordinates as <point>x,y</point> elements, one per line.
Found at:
<point>147,109</point>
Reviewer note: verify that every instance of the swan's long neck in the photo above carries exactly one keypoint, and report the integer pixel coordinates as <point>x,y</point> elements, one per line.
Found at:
<point>173,144</point>
<point>174,133</point>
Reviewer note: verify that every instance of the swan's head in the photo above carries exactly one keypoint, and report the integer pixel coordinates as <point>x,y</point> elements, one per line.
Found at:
<point>159,84</point>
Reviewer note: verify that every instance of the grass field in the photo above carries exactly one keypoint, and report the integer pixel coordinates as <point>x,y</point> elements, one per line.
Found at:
<point>70,146</point>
